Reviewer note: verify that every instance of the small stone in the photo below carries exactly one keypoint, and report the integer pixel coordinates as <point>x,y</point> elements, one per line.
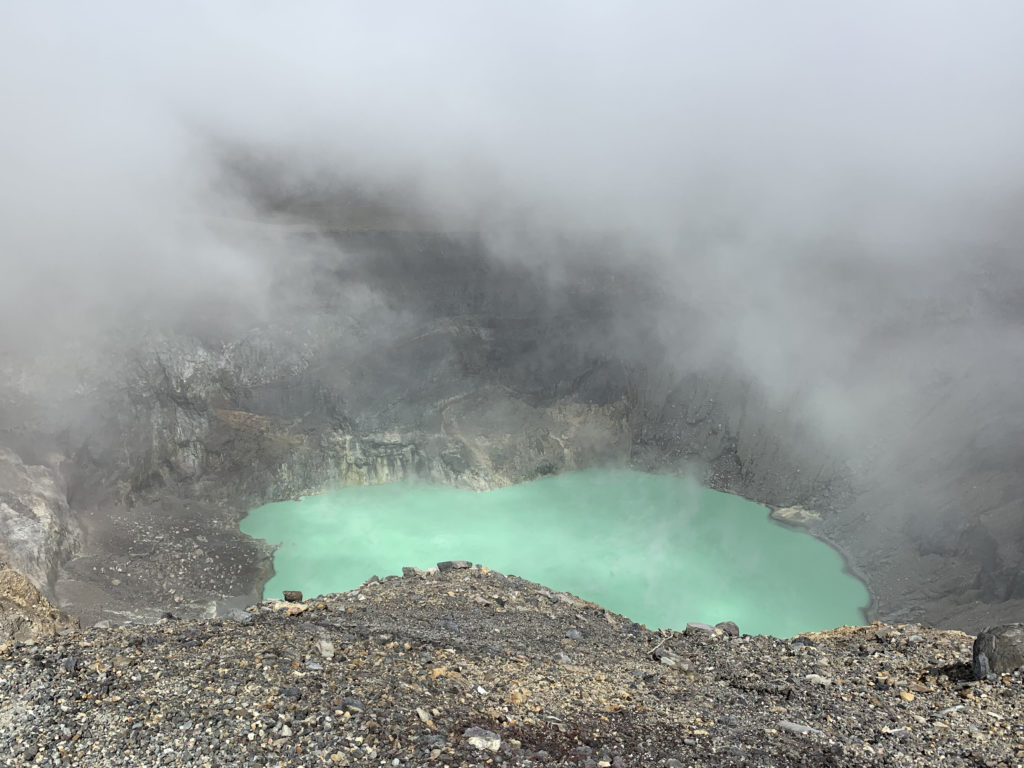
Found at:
<point>453,565</point>
<point>424,716</point>
<point>353,705</point>
<point>409,572</point>
<point>818,679</point>
<point>563,658</point>
<point>574,634</point>
<point>698,628</point>
<point>899,733</point>
<point>729,627</point>
<point>482,739</point>
<point>669,659</point>
<point>998,649</point>
<point>239,616</point>
<point>292,596</point>
<point>799,728</point>
<point>325,648</point>
<point>906,695</point>
<point>285,731</point>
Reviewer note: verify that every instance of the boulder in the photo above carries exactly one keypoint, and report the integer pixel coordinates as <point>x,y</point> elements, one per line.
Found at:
<point>796,516</point>
<point>699,629</point>
<point>729,627</point>
<point>453,565</point>
<point>998,649</point>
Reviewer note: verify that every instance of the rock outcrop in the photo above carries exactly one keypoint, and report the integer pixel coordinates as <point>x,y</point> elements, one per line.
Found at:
<point>796,516</point>
<point>26,616</point>
<point>38,530</point>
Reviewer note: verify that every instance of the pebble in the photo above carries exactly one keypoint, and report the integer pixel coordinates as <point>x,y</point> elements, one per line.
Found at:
<point>325,648</point>
<point>786,725</point>
<point>239,616</point>
<point>483,739</point>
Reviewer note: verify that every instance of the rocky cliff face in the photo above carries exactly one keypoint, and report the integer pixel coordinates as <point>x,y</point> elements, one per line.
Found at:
<point>420,357</point>
<point>38,531</point>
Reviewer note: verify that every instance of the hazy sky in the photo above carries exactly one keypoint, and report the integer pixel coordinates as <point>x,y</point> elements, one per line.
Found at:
<point>804,174</point>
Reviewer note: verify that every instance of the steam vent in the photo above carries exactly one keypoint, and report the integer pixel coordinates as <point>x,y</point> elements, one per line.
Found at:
<point>605,385</point>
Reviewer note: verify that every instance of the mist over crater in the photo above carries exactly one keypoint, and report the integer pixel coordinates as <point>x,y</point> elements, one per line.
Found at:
<point>254,255</point>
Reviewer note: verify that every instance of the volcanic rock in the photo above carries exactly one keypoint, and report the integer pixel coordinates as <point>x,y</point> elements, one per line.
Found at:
<point>452,565</point>
<point>729,627</point>
<point>699,628</point>
<point>998,649</point>
<point>403,686</point>
<point>25,614</point>
<point>796,516</point>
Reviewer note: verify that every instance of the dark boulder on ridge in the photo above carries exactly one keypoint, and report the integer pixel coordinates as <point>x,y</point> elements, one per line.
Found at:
<point>998,649</point>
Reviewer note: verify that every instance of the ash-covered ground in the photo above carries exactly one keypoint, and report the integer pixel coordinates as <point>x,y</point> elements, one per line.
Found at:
<point>468,667</point>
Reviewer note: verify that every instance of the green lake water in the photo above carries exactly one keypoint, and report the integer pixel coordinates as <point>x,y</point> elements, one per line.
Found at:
<point>659,549</point>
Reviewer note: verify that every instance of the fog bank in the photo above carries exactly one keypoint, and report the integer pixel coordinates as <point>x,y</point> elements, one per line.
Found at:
<point>821,197</point>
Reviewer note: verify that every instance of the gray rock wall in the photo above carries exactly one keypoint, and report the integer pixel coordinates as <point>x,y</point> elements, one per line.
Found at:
<point>419,357</point>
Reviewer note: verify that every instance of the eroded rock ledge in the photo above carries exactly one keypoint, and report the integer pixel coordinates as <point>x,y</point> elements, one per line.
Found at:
<point>469,667</point>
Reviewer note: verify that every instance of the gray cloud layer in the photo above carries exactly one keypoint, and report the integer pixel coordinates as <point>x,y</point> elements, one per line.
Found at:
<point>832,189</point>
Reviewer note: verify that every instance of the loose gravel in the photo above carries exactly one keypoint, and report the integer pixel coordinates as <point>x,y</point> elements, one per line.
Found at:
<point>467,667</point>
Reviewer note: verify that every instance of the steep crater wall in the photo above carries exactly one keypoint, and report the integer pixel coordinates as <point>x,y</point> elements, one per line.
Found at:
<point>470,371</point>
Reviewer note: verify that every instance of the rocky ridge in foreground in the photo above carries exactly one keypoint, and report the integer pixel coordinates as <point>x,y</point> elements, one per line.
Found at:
<point>467,667</point>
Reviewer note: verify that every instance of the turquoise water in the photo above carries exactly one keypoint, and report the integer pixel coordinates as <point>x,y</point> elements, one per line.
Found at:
<point>656,548</point>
